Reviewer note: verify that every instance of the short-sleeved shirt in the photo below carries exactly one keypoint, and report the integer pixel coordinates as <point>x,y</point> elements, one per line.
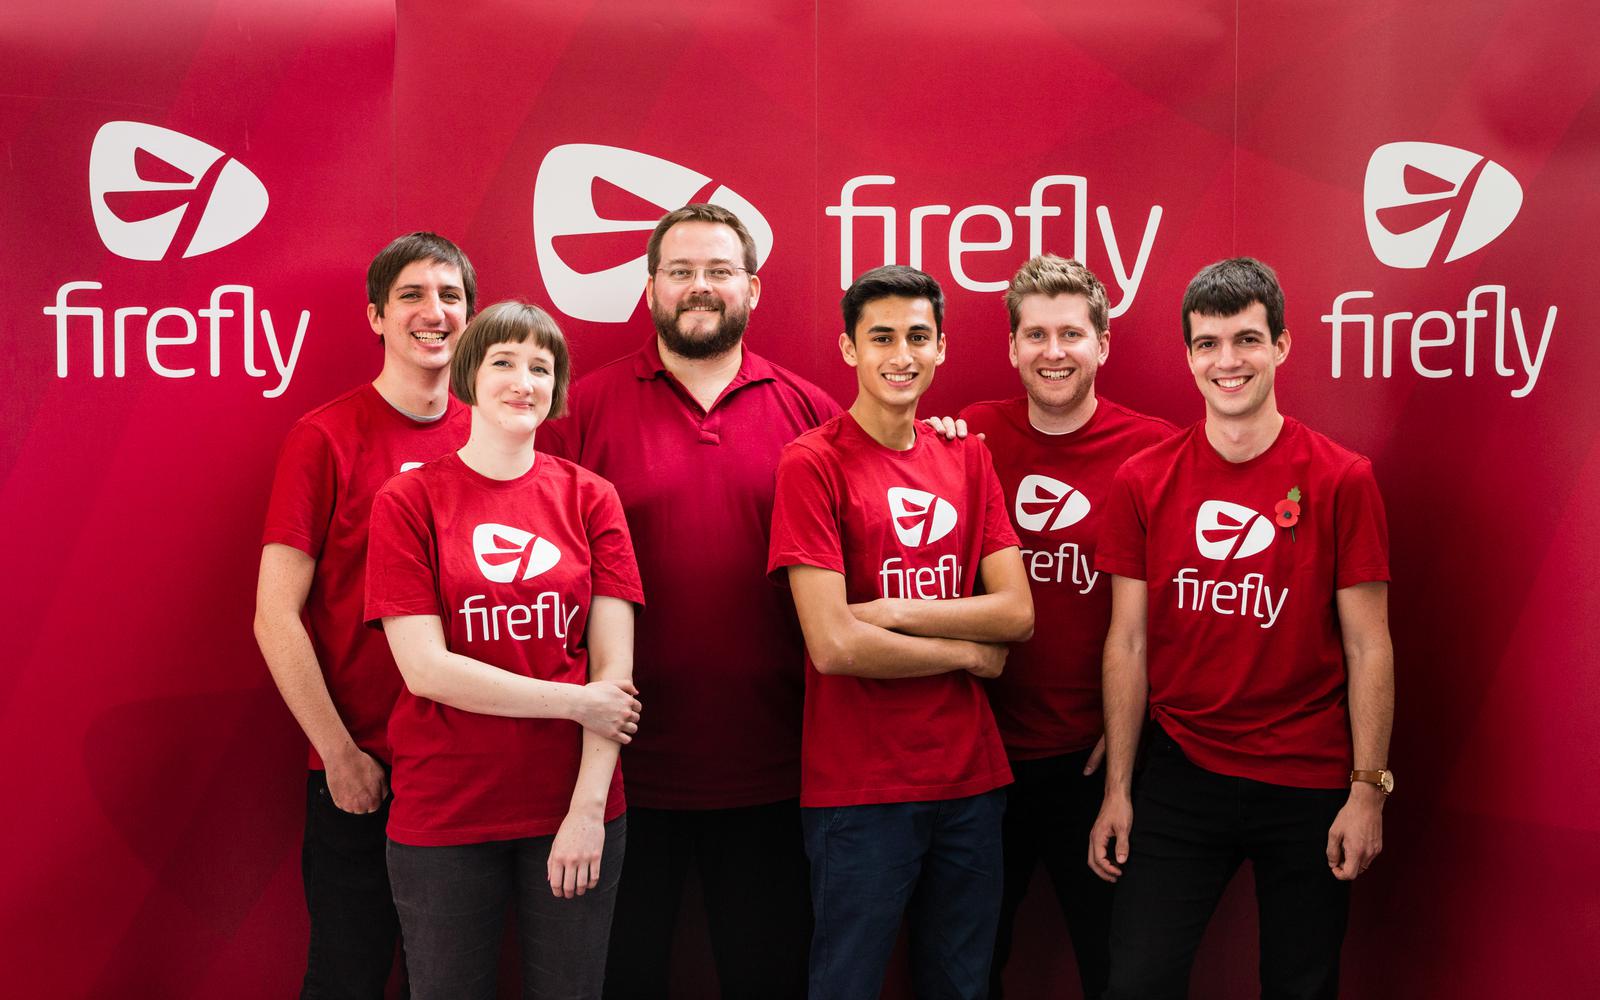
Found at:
<point>331,466</point>
<point>1245,659</point>
<point>718,653</point>
<point>898,524</point>
<point>1047,701</point>
<point>510,567</point>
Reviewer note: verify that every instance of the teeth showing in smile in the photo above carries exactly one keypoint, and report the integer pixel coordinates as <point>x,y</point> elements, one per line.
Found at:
<point>1055,376</point>
<point>429,336</point>
<point>1234,382</point>
<point>900,378</point>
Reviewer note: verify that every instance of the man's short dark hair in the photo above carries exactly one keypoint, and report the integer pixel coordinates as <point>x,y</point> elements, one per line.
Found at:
<point>1229,287</point>
<point>700,212</point>
<point>509,322</point>
<point>406,250</point>
<point>891,281</point>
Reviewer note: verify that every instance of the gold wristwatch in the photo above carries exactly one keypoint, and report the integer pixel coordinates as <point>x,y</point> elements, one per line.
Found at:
<point>1383,779</point>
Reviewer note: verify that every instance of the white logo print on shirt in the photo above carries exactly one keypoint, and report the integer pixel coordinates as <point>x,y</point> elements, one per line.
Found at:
<point>1226,531</point>
<point>919,517</point>
<point>503,551</point>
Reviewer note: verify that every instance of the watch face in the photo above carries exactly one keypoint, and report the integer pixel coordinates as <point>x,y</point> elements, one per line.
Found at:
<point>1387,783</point>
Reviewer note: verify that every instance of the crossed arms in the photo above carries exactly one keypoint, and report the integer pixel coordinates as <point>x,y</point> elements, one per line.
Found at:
<point>893,637</point>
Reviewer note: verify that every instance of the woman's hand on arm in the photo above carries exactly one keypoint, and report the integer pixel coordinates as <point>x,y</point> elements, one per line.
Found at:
<point>574,864</point>
<point>431,671</point>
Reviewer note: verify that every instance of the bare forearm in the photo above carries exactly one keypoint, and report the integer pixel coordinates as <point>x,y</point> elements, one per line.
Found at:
<point>983,618</point>
<point>474,686</point>
<point>593,785</point>
<point>1371,692</point>
<point>862,650</point>
<point>1125,693</point>
<point>293,663</point>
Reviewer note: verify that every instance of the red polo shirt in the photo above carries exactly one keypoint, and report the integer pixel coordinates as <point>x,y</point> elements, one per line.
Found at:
<point>718,654</point>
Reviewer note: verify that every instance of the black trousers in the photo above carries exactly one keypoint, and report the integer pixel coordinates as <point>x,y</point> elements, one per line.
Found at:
<point>354,928</point>
<point>1192,828</point>
<point>752,867</point>
<point>453,901</point>
<point>1049,811</point>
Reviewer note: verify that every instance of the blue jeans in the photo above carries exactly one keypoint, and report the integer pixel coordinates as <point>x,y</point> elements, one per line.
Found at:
<point>452,904</point>
<point>936,863</point>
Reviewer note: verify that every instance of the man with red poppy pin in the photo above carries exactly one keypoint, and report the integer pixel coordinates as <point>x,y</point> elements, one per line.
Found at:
<point>1258,647</point>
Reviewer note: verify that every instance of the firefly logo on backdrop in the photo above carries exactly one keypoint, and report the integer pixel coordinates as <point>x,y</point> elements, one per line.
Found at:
<point>593,209</point>
<point>149,186</point>
<point>162,196</point>
<point>964,251</point>
<point>1045,503</point>
<point>509,555</point>
<point>920,518</point>
<point>1427,205</point>
<point>1224,532</point>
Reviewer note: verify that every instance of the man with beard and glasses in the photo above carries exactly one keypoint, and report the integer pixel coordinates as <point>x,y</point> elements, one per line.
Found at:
<point>689,429</point>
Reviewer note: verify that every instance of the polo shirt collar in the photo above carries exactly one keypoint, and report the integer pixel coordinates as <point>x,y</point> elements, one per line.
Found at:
<point>647,364</point>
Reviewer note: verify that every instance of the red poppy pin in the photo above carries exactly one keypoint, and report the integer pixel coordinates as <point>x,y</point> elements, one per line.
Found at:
<point>1287,512</point>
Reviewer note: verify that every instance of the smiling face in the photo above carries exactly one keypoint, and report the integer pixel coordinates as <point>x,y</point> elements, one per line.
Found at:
<point>422,317</point>
<point>896,347</point>
<point>1057,351</point>
<point>1234,361</point>
<point>701,317</point>
<point>514,387</point>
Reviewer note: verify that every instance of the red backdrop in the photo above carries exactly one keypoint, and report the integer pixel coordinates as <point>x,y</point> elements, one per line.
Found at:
<point>152,774</point>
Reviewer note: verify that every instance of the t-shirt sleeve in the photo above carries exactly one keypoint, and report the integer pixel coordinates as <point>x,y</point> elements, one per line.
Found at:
<point>997,530</point>
<point>612,566</point>
<point>1362,527</point>
<point>805,516</point>
<point>401,576</point>
<point>1121,549</point>
<point>304,490</point>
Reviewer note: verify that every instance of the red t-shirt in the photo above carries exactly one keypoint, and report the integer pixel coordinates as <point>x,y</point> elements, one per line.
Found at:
<point>902,524</point>
<point>718,653</point>
<point>510,568</point>
<point>331,466</point>
<point>1047,701</point>
<point>1246,666</point>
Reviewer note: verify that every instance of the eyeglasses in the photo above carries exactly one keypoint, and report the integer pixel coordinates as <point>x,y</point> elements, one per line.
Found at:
<point>719,274</point>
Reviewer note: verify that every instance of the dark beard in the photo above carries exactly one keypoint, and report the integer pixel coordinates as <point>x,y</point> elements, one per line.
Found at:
<point>724,339</point>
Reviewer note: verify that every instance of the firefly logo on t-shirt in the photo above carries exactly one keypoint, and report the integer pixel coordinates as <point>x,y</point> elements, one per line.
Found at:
<point>1047,504</point>
<point>502,550</point>
<point>919,517</point>
<point>1226,531</point>
<point>507,555</point>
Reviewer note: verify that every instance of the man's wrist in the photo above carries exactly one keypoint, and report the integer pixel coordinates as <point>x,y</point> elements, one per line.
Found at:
<point>1367,793</point>
<point>342,754</point>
